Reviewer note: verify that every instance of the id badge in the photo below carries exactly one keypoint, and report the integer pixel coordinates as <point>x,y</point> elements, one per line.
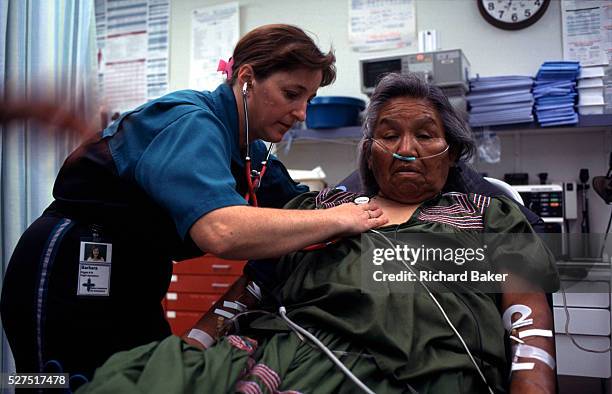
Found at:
<point>95,260</point>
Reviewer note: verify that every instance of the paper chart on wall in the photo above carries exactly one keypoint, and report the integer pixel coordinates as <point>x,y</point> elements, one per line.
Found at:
<point>587,31</point>
<point>132,40</point>
<point>214,33</point>
<point>376,25</point>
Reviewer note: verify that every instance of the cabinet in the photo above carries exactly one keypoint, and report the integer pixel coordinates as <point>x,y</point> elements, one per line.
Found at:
<point>588,305</point>
<point>195,286</point>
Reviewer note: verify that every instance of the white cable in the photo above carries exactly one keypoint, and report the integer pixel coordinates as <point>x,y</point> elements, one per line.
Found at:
<point>283,312</point>
<point>443,314</point>
<point>567,323</point>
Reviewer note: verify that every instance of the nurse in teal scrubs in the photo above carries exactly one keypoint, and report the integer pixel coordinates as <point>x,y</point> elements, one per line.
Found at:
<point>167,181</point>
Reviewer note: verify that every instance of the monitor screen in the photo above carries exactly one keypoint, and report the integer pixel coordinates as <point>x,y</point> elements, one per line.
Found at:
<point>374,70</point>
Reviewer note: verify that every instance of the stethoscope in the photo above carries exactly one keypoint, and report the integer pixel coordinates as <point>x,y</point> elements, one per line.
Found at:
<point>253,177</point>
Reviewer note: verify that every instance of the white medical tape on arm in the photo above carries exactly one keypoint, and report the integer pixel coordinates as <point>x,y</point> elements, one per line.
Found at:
<point>528,351</point>
<point>238,306</point>
<point>223,313</point>
<point>522,366</point>
<point>202,337</point>
<point>522,321</point>
<point>254,289</point>
<point>535,332</point>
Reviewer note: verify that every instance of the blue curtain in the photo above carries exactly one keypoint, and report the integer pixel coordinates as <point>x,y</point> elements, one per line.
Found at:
<point>47,52</point>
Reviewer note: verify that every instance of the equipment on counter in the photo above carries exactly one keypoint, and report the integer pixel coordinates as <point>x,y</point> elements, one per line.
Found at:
<point>448,70</point>
<point>516,178</point>
<point>544,200</point>
<point>603,187</point>
<point>547,202</point>
<point>570,200</point>
<point>584,187</point>
<point>603,184</point>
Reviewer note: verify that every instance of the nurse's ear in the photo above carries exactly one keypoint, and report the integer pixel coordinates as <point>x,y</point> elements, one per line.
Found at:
<point>246,74</point>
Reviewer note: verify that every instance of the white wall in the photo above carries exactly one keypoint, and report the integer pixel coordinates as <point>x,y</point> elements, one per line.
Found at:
<point>491,51</point>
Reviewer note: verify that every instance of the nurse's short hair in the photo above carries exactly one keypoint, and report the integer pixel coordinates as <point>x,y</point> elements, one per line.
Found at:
<point>456,129</point>
<point>280,47</point>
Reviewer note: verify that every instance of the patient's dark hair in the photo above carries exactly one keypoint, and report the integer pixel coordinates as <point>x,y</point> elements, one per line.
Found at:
<point>279,47</point>
<point>457,131</point>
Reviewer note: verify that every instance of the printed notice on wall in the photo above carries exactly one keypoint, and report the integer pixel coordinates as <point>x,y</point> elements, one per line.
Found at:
<point>214,33</point>
<point>132,40</point>
<point>587,31</point>
<point>376,25</point>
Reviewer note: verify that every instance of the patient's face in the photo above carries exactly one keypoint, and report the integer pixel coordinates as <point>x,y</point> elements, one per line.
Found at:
<point>409,127</point>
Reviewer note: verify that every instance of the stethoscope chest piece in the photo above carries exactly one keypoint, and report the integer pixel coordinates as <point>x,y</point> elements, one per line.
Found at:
<point>361,200</point>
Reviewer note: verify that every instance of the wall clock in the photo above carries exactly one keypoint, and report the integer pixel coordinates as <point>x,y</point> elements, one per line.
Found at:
<point>512,14</point>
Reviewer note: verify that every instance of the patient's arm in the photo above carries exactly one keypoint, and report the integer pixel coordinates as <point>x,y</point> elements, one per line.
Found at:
<point>214,322</point>
<point>542,378</point>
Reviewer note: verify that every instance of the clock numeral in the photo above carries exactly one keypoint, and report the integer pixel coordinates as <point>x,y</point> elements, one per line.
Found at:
<point>537,3</point>
<point>501,13</point>
<point>514,17</point>
<point>491,6</point>
<point>527,13</point>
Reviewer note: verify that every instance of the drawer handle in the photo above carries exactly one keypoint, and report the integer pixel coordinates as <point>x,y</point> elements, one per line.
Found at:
<point>221,266</point>
<point>221,285</point>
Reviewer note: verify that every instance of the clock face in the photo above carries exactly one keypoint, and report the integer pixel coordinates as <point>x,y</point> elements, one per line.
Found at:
<point>512,14</point>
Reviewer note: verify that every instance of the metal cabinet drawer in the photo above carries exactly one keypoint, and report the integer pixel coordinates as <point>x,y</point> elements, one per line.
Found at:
<point>190,301</point>
<point>587,321</point>
<point>575,362</point>
<point>201,283</point>
<point>588,294</point>
<point>209,265</point>
<point>181,321</point>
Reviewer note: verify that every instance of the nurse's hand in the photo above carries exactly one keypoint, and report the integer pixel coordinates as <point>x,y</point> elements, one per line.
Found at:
<point>243,232</point>
<point>358,218</point>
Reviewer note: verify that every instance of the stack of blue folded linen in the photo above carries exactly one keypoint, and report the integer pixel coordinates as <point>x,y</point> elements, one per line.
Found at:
<point>555,93</point>
<point>500,100</point>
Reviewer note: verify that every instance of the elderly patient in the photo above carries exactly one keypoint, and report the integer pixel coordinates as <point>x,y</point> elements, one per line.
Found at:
<point>393,341</point>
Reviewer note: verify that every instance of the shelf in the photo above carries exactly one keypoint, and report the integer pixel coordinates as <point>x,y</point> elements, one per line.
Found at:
<point>584,121</point>
<point>350,133</point>
<point>353,133</point>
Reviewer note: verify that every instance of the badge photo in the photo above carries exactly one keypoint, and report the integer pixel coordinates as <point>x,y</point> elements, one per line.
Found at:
<point>94,269</point>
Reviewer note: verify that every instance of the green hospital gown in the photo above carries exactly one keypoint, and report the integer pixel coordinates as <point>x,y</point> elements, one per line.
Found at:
<point>393,341</point>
